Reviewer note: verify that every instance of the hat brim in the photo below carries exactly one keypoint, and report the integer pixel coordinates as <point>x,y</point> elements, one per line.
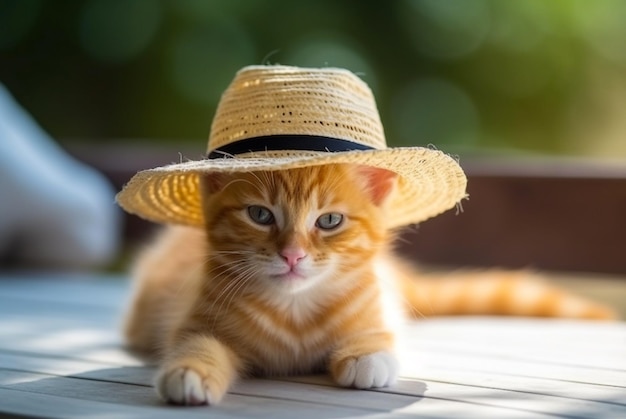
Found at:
<point>430,182</point>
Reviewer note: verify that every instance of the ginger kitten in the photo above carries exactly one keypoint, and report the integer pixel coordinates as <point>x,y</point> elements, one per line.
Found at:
<point>293,274</point>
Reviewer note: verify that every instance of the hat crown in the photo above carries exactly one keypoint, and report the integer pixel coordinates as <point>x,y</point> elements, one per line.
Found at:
<point>266,101</point>
<point>280,118</point>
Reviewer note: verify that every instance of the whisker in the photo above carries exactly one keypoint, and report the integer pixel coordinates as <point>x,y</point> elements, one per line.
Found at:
<point>227,295</point>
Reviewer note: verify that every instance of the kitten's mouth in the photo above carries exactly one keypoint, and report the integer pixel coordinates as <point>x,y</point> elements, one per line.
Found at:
<point>289,276</point>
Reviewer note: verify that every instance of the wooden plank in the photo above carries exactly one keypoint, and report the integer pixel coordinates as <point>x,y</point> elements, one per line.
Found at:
<point>72,387</point>
<point>485,365</point>
<point>143,376</point>
<point>37,363</point>
<point>77,318</point>
<point>65,332</point>
<point>477,345</point>
<point>266,401</point>
<point>482,367</point>
<point>531,401</point>
<point>104,398</point>
<point>59,311</point>
<point>25,403</point>
<point>531,385</point>
<point>433,343</point>
<point>519,401</point>
<point>102,355</point>
<point>81,289</point>
<point>29,404</point>
<point>79,343</point>
<point>323,391</point>
<point>558,349</point>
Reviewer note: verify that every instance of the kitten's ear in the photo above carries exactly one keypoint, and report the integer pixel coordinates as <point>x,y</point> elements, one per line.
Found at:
<point>213,182</point>
<point>380,182</point>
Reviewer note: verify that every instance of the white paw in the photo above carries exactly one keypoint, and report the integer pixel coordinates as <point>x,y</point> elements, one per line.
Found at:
<point>379,369</point>
<point>183,386</point>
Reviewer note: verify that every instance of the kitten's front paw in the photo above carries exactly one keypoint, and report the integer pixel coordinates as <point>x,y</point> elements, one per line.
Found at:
<point>379,369</point>
<point>182,385</point>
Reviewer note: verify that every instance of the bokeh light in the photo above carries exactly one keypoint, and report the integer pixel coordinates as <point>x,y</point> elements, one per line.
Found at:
<point>204,58</point>
<point>603,25</point>
<point>115,31</point>
<point>434,111</point>
<point>522,76</point>
<point>17,18</point>
<point>330,50</point>
<point>446,29</point>
<point>522,28</point>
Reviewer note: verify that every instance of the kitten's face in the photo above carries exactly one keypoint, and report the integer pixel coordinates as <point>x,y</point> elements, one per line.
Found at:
<point>291,230</point>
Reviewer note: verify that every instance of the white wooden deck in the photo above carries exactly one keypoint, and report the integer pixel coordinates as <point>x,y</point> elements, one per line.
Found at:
<point>61,357</point>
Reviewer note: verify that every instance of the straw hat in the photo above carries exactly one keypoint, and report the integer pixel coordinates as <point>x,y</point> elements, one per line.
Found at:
<point>279,117</point>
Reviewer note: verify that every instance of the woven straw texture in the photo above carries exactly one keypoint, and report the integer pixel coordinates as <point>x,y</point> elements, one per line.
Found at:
<point>327,102</point>
<point>280,100</point>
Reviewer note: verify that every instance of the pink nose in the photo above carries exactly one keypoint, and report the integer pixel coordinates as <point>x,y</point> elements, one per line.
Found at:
<point>293,255</point>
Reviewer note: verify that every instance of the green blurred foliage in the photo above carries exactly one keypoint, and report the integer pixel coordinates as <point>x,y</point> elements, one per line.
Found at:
<point>542,76</point>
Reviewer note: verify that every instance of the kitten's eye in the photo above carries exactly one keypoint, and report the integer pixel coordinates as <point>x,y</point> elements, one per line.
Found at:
<point>329,221</point>
<point>260,215</point>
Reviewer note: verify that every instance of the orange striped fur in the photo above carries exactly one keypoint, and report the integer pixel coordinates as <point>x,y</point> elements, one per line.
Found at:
<point>289,296</point>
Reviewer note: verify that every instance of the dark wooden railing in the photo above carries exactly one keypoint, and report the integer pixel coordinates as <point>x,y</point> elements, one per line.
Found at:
<point>538,213</point>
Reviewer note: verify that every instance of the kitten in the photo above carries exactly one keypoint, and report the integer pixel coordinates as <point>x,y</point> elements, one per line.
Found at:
<point>293,274</point>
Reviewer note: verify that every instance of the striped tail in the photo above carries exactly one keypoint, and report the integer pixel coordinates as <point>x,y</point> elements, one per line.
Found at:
<point>495,292</point>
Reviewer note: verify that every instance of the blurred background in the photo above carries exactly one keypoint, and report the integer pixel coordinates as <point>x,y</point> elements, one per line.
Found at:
<point>469,76</point>
<point>115,81</point>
